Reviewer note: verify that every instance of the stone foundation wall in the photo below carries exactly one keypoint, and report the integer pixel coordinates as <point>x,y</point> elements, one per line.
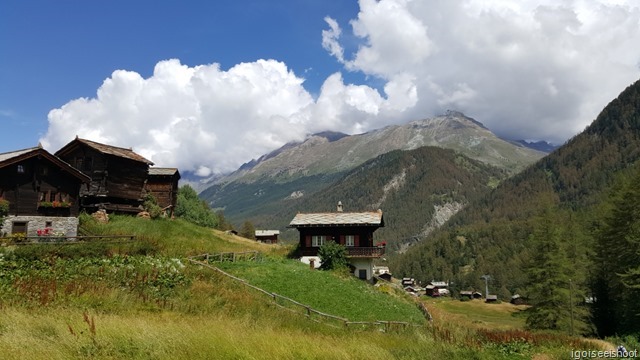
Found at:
<point>65,225</point>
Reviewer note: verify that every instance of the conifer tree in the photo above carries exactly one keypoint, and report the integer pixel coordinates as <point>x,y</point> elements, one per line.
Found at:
<point>617,285</point>
<point>248,230</point>
<point>555,296</point>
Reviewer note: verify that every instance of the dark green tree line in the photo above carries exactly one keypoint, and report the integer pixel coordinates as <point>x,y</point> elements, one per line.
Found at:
<point>617,282</point>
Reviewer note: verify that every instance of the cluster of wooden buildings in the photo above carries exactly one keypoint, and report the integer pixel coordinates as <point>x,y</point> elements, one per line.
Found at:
<point>47,190</point>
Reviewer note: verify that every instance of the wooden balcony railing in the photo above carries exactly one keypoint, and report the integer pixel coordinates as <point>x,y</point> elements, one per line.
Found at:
<point>363,252</point>
<point>368,252</point>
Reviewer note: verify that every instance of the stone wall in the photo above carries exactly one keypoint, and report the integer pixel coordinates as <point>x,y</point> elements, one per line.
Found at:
<point>65,225</point>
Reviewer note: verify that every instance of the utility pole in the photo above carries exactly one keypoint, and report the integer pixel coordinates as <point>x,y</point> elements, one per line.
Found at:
<point>486,284</point>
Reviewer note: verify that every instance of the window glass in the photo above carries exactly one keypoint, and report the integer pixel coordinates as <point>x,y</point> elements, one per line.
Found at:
<point>349,240</point>
<point>317,240</point>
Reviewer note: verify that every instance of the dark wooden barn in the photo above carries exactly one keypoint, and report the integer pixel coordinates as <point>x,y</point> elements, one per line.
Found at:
<point>267,236</point>
<point>42,191</point>
<point>162,183</point>
<point>118,175</point>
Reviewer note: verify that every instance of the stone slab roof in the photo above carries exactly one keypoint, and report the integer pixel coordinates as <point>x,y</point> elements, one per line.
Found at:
<point>370,218</point>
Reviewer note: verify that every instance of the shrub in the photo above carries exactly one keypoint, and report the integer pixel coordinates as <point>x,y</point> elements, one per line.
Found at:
<point>332,256</point>
<point>4,208</point>
<point>151,206</point>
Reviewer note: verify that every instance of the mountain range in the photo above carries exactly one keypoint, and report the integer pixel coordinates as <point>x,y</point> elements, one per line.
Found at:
<point>264,187</point>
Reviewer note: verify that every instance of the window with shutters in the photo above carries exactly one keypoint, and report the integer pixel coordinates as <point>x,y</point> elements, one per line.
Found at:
<point>350,240</point>
<point>317,240</point>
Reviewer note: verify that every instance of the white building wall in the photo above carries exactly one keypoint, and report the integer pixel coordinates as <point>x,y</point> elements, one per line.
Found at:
<point>362,264</point>
<point>65,225</point>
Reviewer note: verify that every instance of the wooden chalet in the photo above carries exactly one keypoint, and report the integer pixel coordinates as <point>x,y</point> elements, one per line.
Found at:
<point>162,183</point>
<point>518,300</point>
<point>118,175</point>
<point>354,230</point>
<point>470,295</point>
<point>42,191</point>
<point>491,298</point>
<point>267,236</point>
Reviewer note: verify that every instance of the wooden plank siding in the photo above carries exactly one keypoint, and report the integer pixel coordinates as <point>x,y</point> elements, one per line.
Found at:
<point>27,183</point>
<point>162,183</point>
<point>118,175</point>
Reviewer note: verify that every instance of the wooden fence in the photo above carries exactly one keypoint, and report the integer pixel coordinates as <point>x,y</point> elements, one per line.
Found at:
<point>306,310</point>
<point>230,257</point>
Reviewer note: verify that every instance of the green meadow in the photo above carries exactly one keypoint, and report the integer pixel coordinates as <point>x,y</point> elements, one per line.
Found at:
<point>144,300</point>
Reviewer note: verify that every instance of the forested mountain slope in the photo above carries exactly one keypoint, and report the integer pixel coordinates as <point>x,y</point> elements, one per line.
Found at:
<point>417,190</point>
<point>492,234</point>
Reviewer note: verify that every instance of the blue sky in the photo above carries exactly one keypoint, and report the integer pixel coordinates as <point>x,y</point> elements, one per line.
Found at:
<point>57,51</point>
<point>209,85</point>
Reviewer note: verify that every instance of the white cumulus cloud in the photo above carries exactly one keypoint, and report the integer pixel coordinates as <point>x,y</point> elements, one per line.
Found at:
<point>526,69</point>
<point>539,70</point>
<point>207,120</point>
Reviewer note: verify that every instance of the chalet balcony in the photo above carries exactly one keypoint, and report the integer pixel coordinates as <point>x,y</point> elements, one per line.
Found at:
<point>352,252</point>
<point>365,252</point>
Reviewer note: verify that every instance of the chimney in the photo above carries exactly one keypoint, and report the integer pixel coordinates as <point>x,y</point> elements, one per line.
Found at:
<point>339,206</point>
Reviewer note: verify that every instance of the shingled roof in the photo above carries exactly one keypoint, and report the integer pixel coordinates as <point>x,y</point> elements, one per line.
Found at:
<point>369,218</point>
<point>105,149</point>
<point>16,156</point>
<point>157,171</point>
<point>267,232</point>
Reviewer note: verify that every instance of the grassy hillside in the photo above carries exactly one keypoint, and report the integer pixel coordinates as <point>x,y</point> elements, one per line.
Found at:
<point>142,300</point>
<point>360,301</point>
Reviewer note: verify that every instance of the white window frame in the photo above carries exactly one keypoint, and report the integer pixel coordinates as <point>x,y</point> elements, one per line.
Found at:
<point>318,240</point>
<point>350,240</point>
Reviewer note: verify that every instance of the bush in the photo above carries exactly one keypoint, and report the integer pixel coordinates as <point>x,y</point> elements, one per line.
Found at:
<point>151,206</point>
<point>332,256</point>
<point>191,208</point>
<point>4,208</point>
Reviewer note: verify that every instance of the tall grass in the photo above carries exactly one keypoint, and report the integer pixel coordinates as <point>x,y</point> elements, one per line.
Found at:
<point>120,304</point>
